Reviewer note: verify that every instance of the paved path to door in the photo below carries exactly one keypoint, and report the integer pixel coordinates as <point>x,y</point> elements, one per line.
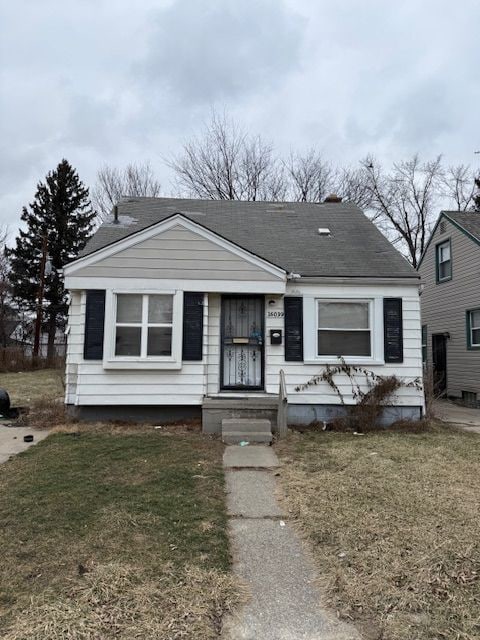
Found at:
<point>465,417</point>
<point>285,602</point>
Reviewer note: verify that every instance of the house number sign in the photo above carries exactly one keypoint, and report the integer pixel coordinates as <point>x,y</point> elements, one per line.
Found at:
<point>275,314</point>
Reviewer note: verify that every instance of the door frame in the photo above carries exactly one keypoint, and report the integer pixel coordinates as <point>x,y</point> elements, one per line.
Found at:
<point>239,389</point>
<point>435,337</point>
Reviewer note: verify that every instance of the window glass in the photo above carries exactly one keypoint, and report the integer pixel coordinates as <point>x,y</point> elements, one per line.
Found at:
<point>444,259</point>
<point>343,328</point>
<point>159,341</point>
<point>129,308</point>
<point>474,322</point>
<point>424,343</point>
<point>160,308</point>
<point>128,341</point>
<point>144,339</point>
<point>343,343</point>
<point>343,315</point>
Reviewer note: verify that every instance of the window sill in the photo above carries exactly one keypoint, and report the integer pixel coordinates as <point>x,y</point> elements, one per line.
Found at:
<point>351,360</point>
<point>142,364</point>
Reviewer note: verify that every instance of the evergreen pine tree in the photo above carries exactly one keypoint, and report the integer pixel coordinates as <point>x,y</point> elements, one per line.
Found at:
<point>59,219</point>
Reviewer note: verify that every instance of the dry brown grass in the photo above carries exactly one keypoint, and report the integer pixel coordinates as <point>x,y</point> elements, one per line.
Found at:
<point>393,519</point>
<point>115,533</point>
<point>27,387</point>
<point>118,601</point>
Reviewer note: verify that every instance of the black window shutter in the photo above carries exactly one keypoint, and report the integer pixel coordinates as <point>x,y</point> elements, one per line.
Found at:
<point>94,325</point>
<point>192,348</point>
<point>393,329</point>
<point>293,329</point>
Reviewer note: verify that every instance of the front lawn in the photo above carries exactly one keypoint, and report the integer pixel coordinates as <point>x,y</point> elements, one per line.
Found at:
<point>119,536</point>
<point>393,520</point>
<point>28,387</point>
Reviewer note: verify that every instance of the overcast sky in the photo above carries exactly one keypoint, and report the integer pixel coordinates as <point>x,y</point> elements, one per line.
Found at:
<point>117,81</point>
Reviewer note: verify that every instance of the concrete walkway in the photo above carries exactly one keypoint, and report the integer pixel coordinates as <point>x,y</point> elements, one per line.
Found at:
<point>464,417</point>
<point>285,602</point>
<point>11,440</point>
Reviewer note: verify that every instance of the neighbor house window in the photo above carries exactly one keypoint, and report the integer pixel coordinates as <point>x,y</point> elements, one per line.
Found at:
<point>473,329</point>
<point>344,328</point>
<point>143,325</point>
<point>424,343</point>
<point>444,261</point>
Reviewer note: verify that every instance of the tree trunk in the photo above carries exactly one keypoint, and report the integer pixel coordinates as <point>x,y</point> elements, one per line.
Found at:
<point>52,330</point>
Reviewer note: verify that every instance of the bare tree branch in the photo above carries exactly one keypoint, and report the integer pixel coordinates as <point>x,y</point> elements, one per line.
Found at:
<point>403,201</point>
<point>113,184</point>
<point>225,163</point>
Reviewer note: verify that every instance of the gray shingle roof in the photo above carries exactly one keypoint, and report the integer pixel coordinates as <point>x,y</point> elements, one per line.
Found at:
<point>285,234</point>
<point>469,220</point>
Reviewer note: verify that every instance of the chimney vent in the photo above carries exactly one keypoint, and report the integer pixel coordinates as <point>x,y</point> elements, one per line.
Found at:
<point>333,198</point>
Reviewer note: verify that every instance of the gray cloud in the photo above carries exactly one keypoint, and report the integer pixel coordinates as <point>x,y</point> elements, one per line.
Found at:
<point>206,51</point>
<point>98,82</point>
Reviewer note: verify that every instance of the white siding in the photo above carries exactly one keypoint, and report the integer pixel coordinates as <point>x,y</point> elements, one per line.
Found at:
<point>89,384</point>
<point>297,373</point>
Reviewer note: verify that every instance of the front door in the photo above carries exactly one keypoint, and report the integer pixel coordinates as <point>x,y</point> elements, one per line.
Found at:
<point>439,357</point>
<point>242,342</point>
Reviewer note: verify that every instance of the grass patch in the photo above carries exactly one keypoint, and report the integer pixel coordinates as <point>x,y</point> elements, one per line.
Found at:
<point>393,521</point>
<point>114,536</point>
<point>29,387</point>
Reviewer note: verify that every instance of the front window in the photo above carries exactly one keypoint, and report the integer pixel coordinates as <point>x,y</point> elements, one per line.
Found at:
<point>344,328</point>
<point>143,325</point>
<point>424,343</point>
<point>444,261</point>
<point>473,328</point>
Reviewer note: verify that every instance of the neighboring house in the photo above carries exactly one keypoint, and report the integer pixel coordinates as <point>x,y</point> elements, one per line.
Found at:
<point>179,305</point>
<point>450,272</point>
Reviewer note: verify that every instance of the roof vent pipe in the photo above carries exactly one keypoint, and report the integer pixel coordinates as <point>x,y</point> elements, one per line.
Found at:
<point>333,198</point>
<point>115,214</point>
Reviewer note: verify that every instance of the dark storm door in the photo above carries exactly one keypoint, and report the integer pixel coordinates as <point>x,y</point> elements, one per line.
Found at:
<point>439,357</point>
<point>242,342</point>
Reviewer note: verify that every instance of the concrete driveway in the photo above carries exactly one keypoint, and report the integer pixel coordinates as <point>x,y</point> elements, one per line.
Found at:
<point>465,417</point>
<point>11,440</point>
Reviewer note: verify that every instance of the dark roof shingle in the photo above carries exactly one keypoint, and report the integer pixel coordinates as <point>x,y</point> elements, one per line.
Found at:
<point>469,220</point>
<point>285,234</point>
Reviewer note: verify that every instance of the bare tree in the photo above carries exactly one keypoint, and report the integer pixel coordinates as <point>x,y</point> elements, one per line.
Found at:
<point>404,201</point>
<point>225,163</point>
<point>311,177</point>
<point>457,185</point>
<point>113,184</point>
<point>352,185</point>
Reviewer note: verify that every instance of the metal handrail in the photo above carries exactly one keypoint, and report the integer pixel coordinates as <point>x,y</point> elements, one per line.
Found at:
<point>282,406</point>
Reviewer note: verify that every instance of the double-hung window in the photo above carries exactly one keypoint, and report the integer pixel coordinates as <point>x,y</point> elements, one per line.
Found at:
<point>444,261</point>
<point>424,343</point>
<point>344,328</point>
<point>473,329</point>
<point>143,325</point>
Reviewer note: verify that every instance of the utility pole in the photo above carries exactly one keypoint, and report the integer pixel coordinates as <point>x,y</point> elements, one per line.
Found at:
<point>41,288</point>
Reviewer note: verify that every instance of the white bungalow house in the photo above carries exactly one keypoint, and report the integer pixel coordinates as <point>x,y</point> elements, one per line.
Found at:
<point>186,307</point>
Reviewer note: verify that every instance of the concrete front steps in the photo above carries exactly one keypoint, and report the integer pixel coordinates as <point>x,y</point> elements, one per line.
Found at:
<point>236,430</point>
<point>253,407</point>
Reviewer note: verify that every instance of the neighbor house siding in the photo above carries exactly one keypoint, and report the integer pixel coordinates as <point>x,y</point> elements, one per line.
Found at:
<point>175,253</point>
<point>444,306</point>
